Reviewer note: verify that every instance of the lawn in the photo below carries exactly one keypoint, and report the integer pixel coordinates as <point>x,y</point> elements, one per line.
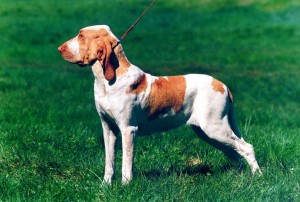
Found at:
<point>51,145</point>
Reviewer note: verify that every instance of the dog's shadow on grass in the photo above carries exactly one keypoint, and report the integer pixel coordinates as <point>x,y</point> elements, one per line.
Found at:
<point>198,170</point>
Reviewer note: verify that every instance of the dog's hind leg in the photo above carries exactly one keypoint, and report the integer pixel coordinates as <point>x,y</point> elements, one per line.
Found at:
<point>245,149</point>
<point>220,133</point>
<point>215,142</point>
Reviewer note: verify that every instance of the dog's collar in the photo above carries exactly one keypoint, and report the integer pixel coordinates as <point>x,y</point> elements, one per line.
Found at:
<point>118,43</point>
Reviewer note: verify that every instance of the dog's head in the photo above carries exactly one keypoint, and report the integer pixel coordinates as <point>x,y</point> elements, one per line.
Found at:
<point>92,44</point>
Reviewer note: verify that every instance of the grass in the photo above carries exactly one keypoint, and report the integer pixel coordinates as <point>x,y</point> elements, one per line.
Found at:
<point>51,147</point>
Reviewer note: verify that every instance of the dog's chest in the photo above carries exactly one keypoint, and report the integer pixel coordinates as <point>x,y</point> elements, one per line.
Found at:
<point>111,101</point>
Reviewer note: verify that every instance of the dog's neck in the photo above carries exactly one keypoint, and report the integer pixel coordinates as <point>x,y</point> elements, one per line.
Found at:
<point>119,61</point>
<point>121,57</point>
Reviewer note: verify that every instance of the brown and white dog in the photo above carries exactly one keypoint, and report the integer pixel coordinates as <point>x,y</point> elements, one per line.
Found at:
<point>133,102</point>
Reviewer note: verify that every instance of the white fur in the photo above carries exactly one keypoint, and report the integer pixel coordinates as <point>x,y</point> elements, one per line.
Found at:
<point>74,46</point>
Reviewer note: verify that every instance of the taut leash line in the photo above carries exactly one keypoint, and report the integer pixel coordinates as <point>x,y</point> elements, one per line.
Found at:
<point>139,18</point>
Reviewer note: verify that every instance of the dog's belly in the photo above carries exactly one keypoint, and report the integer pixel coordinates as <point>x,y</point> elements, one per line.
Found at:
<point>160,124</point>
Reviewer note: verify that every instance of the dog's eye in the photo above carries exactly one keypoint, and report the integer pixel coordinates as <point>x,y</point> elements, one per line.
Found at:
<point>80,36</point>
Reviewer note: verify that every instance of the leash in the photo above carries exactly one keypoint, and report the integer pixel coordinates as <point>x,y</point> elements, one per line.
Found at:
<point>139,18</point>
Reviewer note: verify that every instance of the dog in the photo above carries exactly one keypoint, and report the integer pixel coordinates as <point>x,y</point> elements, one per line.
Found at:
<point>132,102</point>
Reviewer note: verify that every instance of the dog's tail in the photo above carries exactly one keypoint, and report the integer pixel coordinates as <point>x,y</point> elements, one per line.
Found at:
<point>231,116</point>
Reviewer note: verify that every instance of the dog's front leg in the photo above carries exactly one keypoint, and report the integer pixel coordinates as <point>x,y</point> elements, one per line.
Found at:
<point>109,143</point>
<point>128,136</point>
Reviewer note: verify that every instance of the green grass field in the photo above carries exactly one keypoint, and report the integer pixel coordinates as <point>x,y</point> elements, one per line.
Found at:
<point>51,146</point>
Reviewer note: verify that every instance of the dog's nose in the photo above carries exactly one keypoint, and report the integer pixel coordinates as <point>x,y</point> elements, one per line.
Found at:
<point>61,48</point>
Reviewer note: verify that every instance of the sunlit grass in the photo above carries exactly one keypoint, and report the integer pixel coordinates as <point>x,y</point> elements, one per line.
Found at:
<point>51,146</point>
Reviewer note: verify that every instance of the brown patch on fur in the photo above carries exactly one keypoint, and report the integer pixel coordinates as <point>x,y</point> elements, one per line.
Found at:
<point>139,85</point>
<point>218,86</point>
<point>105,57</point>
<point>98,45</point>
<point>124,66</point>
<point>166,94</point>
<point>116,63</point>
<point>86,40</point>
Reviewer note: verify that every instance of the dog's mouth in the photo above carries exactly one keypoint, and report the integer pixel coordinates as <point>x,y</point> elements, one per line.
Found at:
<point>80,63</point>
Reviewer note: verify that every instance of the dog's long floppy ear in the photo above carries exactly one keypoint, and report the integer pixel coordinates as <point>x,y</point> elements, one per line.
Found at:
<point>105,58</point>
